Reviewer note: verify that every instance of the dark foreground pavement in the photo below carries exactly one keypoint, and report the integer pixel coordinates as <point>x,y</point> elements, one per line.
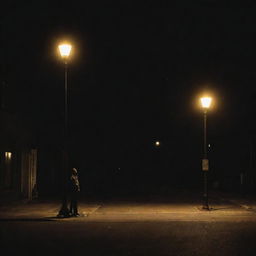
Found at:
<point>129,227</point>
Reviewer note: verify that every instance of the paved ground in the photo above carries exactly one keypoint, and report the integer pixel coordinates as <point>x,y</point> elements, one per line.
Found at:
<point>183,208</point>
<point>131,227</point>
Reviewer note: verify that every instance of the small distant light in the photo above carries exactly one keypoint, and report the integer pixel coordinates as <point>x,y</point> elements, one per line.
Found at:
<point>209,145</point>
<point>157,143</point>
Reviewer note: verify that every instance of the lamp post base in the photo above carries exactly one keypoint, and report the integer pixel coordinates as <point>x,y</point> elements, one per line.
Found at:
<point>64,211</point>
<point>205,203</point>
<point>206,207</point>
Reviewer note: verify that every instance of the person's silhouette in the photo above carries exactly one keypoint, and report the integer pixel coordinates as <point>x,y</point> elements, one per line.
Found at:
<point>74,190</point>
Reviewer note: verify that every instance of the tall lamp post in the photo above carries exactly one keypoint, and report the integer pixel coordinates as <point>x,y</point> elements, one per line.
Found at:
<point>65,50</point>
<point>206,103</point>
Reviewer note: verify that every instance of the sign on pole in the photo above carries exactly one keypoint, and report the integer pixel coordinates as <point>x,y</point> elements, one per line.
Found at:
<point>205,164</point>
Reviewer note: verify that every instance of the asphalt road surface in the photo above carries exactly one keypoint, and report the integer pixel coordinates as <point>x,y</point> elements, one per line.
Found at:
<point>128,238</point>
<point>129,229</point>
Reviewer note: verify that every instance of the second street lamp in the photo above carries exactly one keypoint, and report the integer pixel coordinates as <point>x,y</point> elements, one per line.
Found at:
<point>206,103</point>
<point>65,50</point>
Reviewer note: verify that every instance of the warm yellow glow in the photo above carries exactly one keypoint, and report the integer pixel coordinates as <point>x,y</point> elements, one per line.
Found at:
<point>8,155</point>
<point>157,143</point>
<point>206,102</point>
<point>65,50</point>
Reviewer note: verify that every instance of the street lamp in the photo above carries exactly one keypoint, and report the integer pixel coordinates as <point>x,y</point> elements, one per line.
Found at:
<point>65,50</point>
<point>206,103</point>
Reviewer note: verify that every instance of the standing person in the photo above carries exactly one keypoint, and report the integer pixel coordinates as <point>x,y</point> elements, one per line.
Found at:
<point>74,190</point>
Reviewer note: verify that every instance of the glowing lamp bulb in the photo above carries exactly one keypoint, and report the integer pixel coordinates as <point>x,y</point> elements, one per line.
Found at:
<point>65,50</point>
<point>206,102</point>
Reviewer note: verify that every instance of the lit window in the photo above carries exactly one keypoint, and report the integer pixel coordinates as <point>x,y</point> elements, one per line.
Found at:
<point>8,155</point>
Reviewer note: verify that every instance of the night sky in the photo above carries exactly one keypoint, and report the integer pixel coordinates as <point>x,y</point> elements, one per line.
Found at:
<point>135,77</point>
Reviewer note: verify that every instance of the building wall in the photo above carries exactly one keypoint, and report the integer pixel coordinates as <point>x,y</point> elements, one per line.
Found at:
<point>29,174</point>
<point>18,174</point>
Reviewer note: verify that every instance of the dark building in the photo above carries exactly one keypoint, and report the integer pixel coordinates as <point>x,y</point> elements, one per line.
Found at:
<point>18,154</point>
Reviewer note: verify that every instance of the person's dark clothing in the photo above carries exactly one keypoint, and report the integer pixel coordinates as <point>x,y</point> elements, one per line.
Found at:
<point>74,190</point>
<point>73,203</point>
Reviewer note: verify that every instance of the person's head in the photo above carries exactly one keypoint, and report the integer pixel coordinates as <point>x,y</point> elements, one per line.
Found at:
<point>74,171</point>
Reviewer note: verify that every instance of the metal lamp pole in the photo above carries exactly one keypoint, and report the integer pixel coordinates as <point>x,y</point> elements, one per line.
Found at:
<point>206,102</point>
<point>64,211</point>
<point>205,165</point>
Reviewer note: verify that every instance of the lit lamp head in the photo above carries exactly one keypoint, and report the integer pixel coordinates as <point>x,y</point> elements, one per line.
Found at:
<point>65,50</point>
<point>206,102</point>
